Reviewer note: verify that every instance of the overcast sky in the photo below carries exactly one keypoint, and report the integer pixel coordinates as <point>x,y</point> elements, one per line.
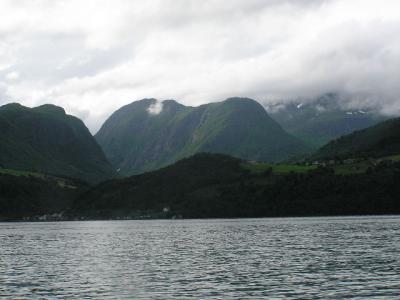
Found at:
<point>93,56</point>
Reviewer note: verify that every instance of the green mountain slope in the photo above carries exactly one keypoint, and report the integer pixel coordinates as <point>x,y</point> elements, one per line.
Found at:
<point>319,121</point>
<point>45,139</point>
<point>380,140</point>
<point>136,141</point>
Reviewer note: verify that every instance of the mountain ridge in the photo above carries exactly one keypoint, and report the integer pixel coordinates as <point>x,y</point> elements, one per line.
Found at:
<point>382,139</point>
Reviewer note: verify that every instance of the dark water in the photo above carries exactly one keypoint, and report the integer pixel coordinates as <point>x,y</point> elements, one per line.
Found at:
<point>295,258</point>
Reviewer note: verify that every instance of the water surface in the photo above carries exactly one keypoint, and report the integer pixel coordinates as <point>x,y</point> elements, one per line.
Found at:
<point>288,258</point>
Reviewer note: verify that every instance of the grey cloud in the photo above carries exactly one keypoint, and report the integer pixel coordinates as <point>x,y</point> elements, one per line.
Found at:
<point>92,57</point>
<point>4,97</point>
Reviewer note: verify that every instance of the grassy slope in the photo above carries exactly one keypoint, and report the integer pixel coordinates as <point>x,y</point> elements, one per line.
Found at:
<point>395,157</point>
<point>319,130</point>
<point>380,140</point>
<point>258,168</point>
<point>357,167</point>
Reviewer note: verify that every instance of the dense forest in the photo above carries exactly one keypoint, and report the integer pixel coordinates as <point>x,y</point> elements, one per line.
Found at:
<point>206,186</point>
<point>210,185</point>
<point>34,196</point>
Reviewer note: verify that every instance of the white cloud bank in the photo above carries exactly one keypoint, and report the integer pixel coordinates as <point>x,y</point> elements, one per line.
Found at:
<point>93,56</point>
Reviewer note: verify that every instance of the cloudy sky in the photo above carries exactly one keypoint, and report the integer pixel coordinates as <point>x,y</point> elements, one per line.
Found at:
<point>92,56</point>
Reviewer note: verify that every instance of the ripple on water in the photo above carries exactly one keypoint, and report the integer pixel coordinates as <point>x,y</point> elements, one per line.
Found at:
<point>288,258</point>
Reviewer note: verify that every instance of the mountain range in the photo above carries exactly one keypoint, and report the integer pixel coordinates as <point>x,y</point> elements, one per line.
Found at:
<point>43,149</point>
<point>146,135</point>
<point>320,120</point>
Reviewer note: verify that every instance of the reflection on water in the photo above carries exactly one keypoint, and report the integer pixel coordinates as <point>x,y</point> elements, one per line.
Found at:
<point>319,258</point>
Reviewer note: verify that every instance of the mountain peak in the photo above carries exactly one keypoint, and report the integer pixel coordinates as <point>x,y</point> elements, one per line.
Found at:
<point>243,103</point>
<point>172,102</point>
<point>50,108</point>
<point>144,101</point>
<point>45,108</point>
<point>13,106</point>
<point>140,103</point>
<point>241,99</point>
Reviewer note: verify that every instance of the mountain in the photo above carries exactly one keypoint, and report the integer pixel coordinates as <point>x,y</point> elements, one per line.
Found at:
<point>380,140</point>
<point>322,119</point>
<point>216,186</point>
<point>146,134</point>
<point>46,139</point>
